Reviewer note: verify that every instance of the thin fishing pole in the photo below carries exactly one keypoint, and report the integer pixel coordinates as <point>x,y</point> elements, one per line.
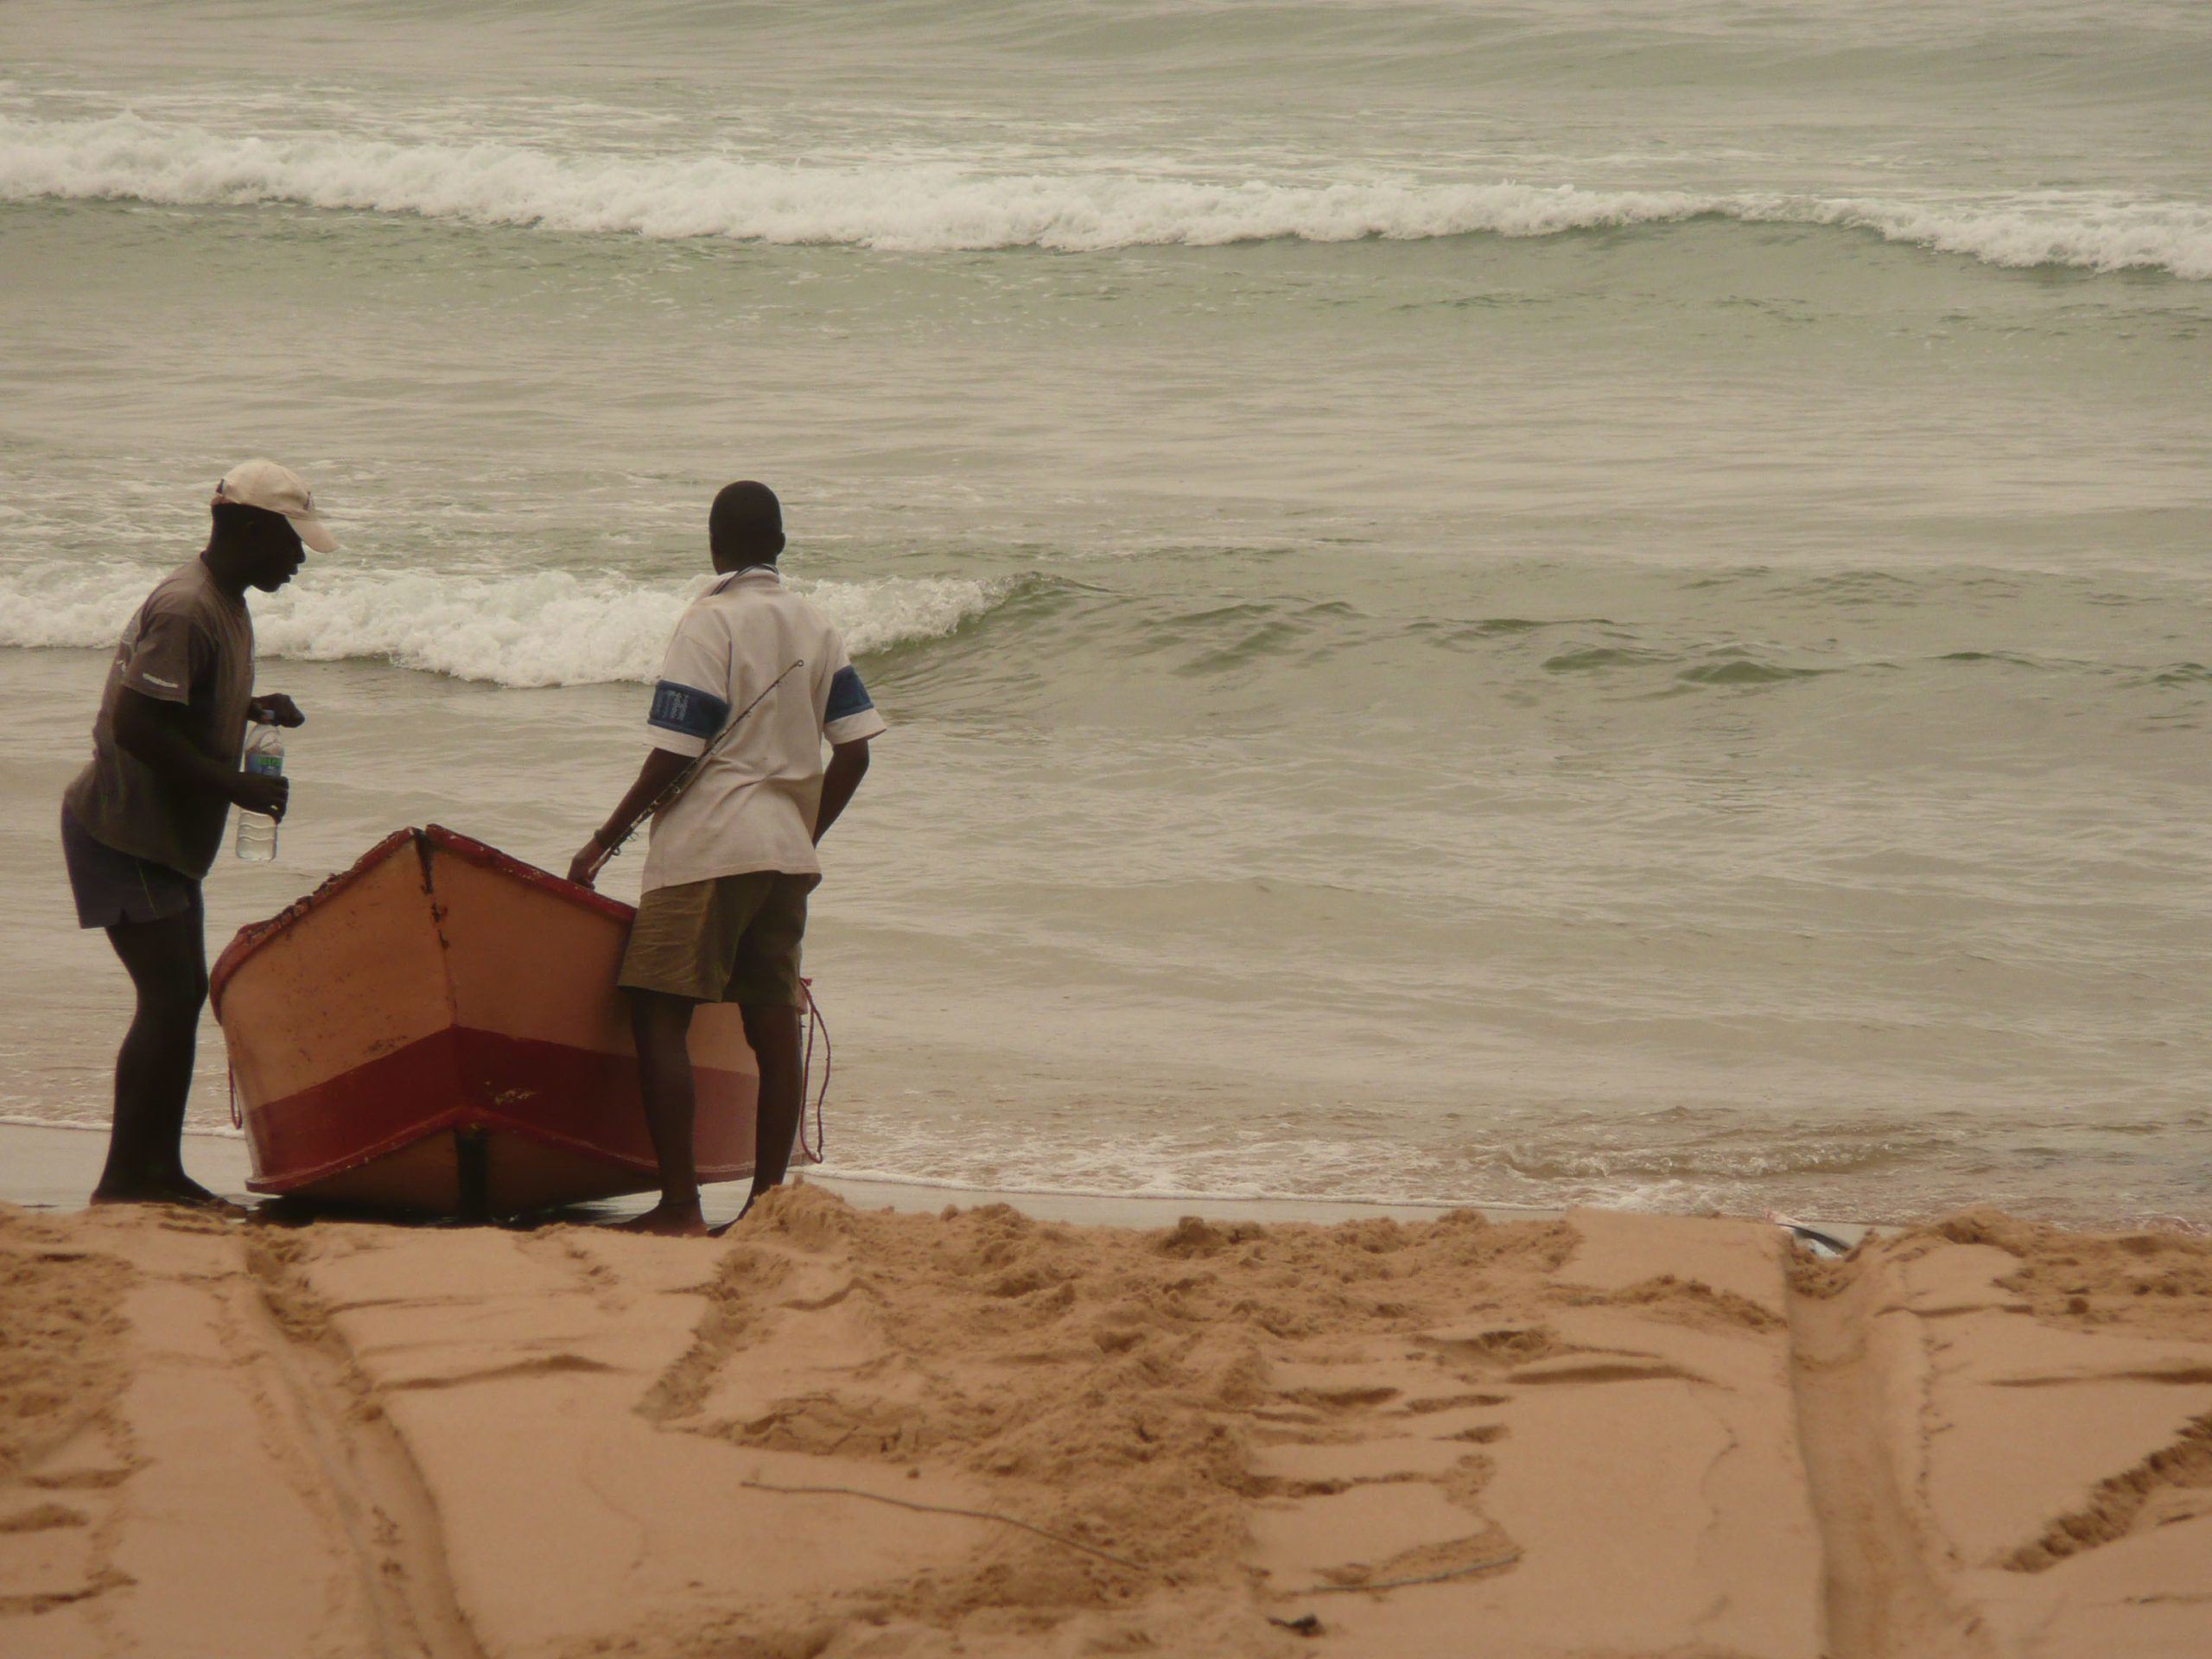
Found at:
<point>685,779</point>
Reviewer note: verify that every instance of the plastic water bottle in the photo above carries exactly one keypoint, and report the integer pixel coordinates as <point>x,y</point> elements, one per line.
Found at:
<point>265,758</point>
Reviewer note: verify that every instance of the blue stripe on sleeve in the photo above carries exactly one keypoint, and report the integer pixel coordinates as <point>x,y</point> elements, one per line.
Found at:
<point>687,710</point>
<point>848,696</point>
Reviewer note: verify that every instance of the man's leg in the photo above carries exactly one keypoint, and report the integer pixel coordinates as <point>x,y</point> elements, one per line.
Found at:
<point>166,961</point>
<point>662,1025</point>
<point>772,1030</point>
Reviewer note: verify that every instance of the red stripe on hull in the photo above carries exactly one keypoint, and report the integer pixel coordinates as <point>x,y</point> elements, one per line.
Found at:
<point>581,1101</point>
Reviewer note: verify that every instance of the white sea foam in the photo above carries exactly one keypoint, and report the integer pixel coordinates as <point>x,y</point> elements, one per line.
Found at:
<point>102,1125</point>
<point>951,205</point>
<point>527,629</point>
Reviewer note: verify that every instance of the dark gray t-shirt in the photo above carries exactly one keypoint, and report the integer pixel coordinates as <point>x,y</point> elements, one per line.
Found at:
<point>190,643</point>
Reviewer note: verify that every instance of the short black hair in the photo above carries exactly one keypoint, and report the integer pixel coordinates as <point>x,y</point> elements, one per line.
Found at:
<point>747,522</point>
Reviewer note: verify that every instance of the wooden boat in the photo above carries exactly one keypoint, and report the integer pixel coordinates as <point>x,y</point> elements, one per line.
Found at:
<point>437,1030</point>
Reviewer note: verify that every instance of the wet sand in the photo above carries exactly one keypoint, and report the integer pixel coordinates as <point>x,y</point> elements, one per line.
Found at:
<point>53,1168</point>
<point>846,1432</point>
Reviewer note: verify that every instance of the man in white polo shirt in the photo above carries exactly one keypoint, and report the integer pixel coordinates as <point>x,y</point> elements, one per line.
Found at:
<point>732,859</point>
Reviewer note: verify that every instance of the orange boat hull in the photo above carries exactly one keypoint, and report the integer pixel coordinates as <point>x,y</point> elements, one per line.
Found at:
<point>437,1030</point>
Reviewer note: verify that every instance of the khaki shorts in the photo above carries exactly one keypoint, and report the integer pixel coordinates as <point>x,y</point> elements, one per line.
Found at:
<point>734,938</point>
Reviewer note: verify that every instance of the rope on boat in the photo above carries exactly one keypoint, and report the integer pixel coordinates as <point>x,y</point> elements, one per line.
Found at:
<point>815,1022</point>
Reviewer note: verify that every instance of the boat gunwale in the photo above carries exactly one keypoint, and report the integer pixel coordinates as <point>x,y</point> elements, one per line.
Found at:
<point>430,838</point>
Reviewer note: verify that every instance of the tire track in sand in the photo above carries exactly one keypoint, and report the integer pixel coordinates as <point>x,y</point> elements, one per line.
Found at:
<point>357,1468</point>
<point>1883,1594</point>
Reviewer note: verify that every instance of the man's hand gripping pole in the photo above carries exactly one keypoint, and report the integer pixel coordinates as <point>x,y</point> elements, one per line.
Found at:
<point>690,775</point>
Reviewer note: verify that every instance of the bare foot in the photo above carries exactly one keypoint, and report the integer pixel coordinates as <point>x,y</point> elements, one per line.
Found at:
<point>666,1220</point>
<point>751,1198</point>
<point>179,1189</point>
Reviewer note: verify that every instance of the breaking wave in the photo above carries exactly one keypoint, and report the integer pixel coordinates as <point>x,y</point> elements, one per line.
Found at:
<point>534,629</point>
<point>952,205</point>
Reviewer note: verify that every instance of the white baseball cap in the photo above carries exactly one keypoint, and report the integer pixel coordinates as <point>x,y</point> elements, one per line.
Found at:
<point>266,485</point>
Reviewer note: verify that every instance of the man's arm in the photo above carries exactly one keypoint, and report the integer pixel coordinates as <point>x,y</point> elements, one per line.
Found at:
<point>151,730</point>
<point>662,768</point>
<point>279,708</point>
<point>847,766</point>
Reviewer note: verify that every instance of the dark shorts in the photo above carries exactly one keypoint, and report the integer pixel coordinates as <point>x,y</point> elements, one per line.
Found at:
<point>113,887</point>
<point>734,938</point>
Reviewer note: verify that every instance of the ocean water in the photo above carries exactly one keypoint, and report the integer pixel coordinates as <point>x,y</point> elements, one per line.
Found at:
<point>1595,601</point>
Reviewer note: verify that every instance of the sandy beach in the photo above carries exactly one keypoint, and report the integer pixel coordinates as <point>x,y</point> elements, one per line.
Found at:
<point>843,1432</point>
<point>1502,641</point>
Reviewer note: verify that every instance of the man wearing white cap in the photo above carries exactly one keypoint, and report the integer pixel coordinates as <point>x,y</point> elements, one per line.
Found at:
<point>141,824</point>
